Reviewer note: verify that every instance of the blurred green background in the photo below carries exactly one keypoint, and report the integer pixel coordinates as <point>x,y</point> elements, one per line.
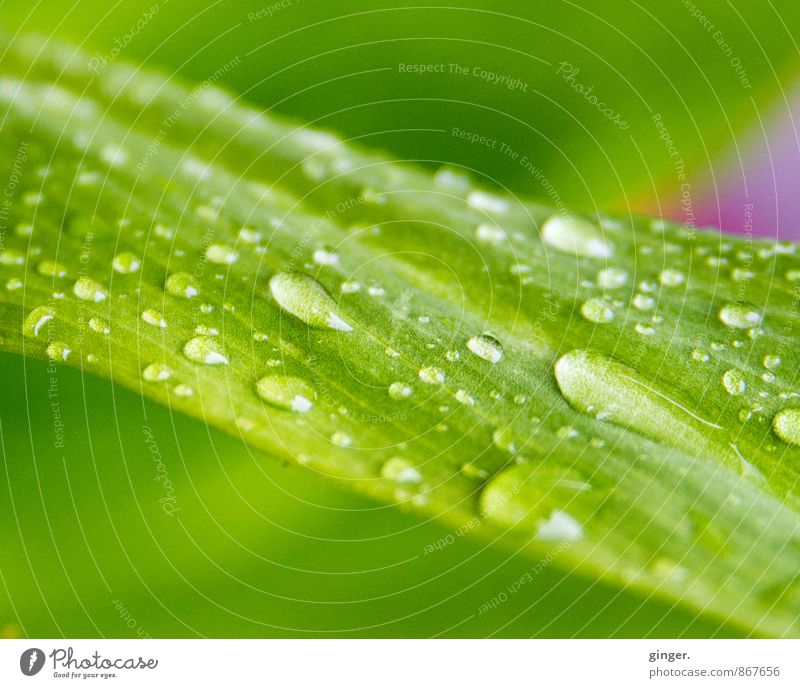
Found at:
<point>259,549</point>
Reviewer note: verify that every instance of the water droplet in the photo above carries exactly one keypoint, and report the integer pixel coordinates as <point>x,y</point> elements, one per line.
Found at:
<point>597,311</point>
<point>350,287</point>
<point>400,390</point>
<point>11,256</point>
<point>37,319</point>
<point>13,284</point>
<point>87,289</point>
<point>431,375</point>
<point>453,180</point>
<point>126,263</point>
<point>463,397</point>
<point>489,233</point>
<point>50,268</point>
<point>154,317</point>
<point>221,254</point>
<point>740,315</point>
<point>249,235</point>
<point>486,346</point>
<point>612,278</point>
<point>701,356</point>
<point>401,471</point>
<point>575,235</point>
<point>771,362</point>
<point>341,439</point>
<point>307,300</point>
<point>452,356</point>
<point>544,499</point>
<point>286,392</point>
<point>157,372</point>
<point>503,439</point>
<point>206,330</point>
<point>742,275</point>
<point>596,384</point>
<point>734,382</point>
<point>671,277</point>
<point>183,390</point>
<point>376,291</point>
<point>786,425</point>
<point>58,351</point>
<point>644,329</point>
<point>491,203</point>
<point>204,350</point>
<point>182,284</point>
<point>99,325</point>
<point>643,303</point>
<point>323,256</point>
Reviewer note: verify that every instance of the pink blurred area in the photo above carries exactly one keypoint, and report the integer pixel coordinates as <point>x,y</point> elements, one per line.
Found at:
<point>755,186</point>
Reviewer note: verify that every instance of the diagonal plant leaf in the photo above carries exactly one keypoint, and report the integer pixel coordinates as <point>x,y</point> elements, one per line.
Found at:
<point>616,392</point>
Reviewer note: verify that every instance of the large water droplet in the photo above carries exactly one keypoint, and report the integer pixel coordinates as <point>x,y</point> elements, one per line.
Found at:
<point>740,315</point>
<point>204,350</point>
<point>486,346</point>
<point>549,500</point>
<point>286,392</point>
<point>596,384</point>
<point>575,235</point>
<point>786,425</point>
<point>87,289</point>
<point>306,299</point>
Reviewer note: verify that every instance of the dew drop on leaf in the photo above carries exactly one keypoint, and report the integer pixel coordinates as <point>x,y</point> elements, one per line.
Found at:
<point>612,278</point>
<point>87,289</point>
<point>157,372</point>
<point>58,351</point>
<point>306,299</point>
<point>597,311</point>
<point>486,346</point>
<point>182,284</point>
<point>786,425</point>
<point>50,268</point>
<point>401,471</point>
<point>733,381</point>
<point>671,277</point>
<point>739,315</point>
<point>551,501</point>
<point>204,350</point>
<point>37,319</point>
<point>221,254</point>
<point>11,256</point>
<point>575,235</point>
<point>286,392</point>
<point>400,390</point>
<point>431,375</point>
<point>125,263</point>
<point>491,234</point>
<point>153,317</point>
<point>99,325</point>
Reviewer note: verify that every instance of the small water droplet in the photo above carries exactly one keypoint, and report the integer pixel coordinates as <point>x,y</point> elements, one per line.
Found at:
<point>157,372</point>
<point>431,376</point>
<point>13,284</point>
<point>400,390</point>
<point>87,289</point>
<point>575,235</point>
<point>734,382</point>
<point>786,425</point>
<point>50,268</point>
<point>597,311</point>
<point>643,303</point>
<point>341,439</point>
<point>99,325</point>
<point>740,315</point>
<point>401,471</point>
<point>37,319</point>
<point>58,351</point>
<point>183,390</point>
<point>488,202</point>
<point>612,278</point>
<point>306,299</point>
<point>204,350</point>
<point>221,254</point>
<point>464,397</point>
<point>10,256</point>
<point>324,256</point>
<point>182,284</point>
<point>491,234</point>
<point>671,277</point>
<point>249,235</point>
<point>154,317</point>
<point>503,439</point>
<point>126,263</point>
<point>286,392</point>
<point>771,362</point>
<point>486,346</point>
<point>698,355</point>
